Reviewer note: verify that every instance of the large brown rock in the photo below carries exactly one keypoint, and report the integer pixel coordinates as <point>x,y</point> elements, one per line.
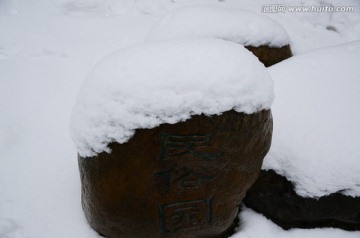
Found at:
<point>270,55</point>
<point>176,180</point>
<point>274,196</point>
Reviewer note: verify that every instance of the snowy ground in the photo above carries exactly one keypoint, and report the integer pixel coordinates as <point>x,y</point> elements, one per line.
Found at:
<point>46,50</point>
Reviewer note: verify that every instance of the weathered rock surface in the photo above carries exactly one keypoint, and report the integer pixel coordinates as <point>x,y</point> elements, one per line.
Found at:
<point>270,55</point>
<point>177,180</point>
<point>274,196</point>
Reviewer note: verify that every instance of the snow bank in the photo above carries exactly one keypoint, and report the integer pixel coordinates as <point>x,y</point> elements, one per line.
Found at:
<point>243,27</point>
<point>146,85</point>
<point>344,23</point>
<point>316,121</point>
<point>254,225</point>
<point>112,7</point>
<point>96,7</point>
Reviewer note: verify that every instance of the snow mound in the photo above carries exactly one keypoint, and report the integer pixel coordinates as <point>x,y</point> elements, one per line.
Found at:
<point>243,27</point>
<point>255,225</point>
<point>112,7</point>
<point>96,7</point>
<point>146,85</point>
<point>316,121</point>
<point>344,23</point>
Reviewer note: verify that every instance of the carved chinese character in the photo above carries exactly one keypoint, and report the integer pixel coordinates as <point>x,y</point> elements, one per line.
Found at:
<point>185,215</point>
<point>184,178</point>
<point>178,145</point>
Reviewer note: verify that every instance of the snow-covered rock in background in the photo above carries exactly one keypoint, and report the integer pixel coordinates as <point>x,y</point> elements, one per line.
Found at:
<point>146,85</point>
<point>316,121</point>
<point>243,27</point>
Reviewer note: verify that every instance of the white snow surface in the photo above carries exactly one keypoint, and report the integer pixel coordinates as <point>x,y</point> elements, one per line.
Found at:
<point>47,49</point>
<point>239,26</point>
<point>317,121</point>
<point>146,85</point>
<point>255,225</point>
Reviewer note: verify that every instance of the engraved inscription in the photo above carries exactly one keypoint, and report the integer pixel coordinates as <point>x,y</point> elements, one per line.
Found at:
<point>185,215</point>
<point>177,145</point>
<point>183,178</point>
<point>176,214</point>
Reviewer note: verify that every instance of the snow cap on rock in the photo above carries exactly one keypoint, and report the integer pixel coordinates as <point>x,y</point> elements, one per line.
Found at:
<point>240,26</point>
<point>147,85</point>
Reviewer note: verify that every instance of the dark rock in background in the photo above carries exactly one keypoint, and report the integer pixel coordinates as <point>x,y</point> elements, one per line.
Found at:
<point>270,55</point>
<point>176,180</point>
<point>274,196</point>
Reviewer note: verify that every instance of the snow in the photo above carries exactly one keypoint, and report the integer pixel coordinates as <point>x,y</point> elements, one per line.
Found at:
<point>242,27</point>
<point>316,122</point>
<point>255,225</point>
<point>147,85</point>
<point>46,50</point>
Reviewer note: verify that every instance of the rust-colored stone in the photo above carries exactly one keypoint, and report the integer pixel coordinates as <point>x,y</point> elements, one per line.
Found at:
<point>270,55</point>
<point>176,180</point>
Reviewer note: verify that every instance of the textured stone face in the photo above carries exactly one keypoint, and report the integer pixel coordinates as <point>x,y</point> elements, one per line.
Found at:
<point>181,180</point>
<point>270,55</point>
<point>274,196</point>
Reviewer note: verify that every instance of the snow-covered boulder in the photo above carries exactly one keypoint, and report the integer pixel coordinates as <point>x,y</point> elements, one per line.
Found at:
<point>180,119</point>
<point>266,38</point>
<point>146,85</point>
<point>316,142</point>
<point>244,27</point>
